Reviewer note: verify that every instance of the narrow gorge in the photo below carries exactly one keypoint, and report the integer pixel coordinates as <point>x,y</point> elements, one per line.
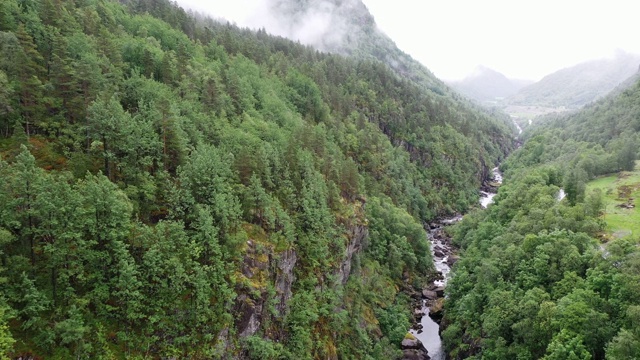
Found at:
<point>425,333</point>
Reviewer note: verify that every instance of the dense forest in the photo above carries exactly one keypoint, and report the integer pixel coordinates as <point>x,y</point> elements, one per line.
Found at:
<point>175,187</point>
<point>539,277</point>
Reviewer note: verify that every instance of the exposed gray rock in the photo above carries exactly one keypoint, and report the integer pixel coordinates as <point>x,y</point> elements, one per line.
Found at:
<point>413,354</point>
<point>249,315</point>
<point>357,234</point>
<point>439,290</point>
<point>413,349</point>
<point>411,344</point>
<point>429,295</point>
<point>250,301</point>
<point>284,280</point>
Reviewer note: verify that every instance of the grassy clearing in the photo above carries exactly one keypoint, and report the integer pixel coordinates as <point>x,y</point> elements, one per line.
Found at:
<point>619,194</point>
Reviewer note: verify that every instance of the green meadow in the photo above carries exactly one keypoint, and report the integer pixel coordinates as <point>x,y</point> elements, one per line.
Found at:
<point>620,192</point>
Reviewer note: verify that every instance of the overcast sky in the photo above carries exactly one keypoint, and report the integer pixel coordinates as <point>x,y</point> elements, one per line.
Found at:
<point>521,39</point>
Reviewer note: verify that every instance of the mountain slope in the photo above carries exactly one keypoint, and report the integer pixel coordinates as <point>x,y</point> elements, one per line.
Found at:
<point>543,277</point>
<point>576,86</point>
<point>485,84</point>
<point>176,187</point>
<point>347,27</point>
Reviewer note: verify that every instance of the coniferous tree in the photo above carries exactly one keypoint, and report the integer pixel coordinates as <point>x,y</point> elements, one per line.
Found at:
<point>29,72</point>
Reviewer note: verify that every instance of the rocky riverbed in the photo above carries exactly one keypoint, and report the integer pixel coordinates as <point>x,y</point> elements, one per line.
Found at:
<point>426,342</point>
<point>428,308</point>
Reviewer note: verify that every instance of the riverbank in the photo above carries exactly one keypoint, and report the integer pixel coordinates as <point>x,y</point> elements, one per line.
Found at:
<point>428,305</point>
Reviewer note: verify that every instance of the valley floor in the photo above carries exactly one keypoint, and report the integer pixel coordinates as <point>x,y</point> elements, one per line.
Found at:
<point>619,193</point>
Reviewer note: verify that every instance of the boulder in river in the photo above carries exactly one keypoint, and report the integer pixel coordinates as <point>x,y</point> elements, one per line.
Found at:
<point>439,290</point>
<point>436,310</point>
<point>429,295</point>
<point>410,342</point>
<point>413,354</point>
<point>413,349</point>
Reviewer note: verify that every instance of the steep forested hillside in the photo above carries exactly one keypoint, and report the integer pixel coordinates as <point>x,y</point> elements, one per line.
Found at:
<point>601,138</point>
<point>174,188</point>
<point>537,278</point>
<point>579,85</point>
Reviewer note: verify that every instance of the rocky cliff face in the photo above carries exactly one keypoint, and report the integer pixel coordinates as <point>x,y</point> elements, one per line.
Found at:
<point>263,266</point>
<point>357,234</point>
<point>284,280</point>
<point>252,288</point>
<point>267,281</point>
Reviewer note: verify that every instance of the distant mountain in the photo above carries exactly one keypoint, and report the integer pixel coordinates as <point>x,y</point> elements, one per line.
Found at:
<point>486,84</point>
<point>576,86</point>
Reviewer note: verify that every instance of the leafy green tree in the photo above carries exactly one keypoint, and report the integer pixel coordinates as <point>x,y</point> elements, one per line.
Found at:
<point>206,178</point>
<point>624,346</point>
<point>627,155</point>
<point>6,102</point>
<point>574,185</point>
<point>6,339</point>
<point>31,306</point>
<point>126,286</point>
<point>259,348</point>
<point>24,186</point>
<point>106,118</point>
<point>71,330</point>
<point>567,346</point>
<point>594,203</point>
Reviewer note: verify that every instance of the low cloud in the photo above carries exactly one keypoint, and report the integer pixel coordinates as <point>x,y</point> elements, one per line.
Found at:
<point>325,24</point>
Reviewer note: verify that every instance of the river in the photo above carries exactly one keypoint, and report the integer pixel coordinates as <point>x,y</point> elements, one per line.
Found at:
<point>443,259</point>
<point>486,196</point>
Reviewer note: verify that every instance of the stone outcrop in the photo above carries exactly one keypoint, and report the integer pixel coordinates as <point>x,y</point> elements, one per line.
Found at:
<point>261,266</point>
<point>357,234</point>
<point>284,280</point>
<point>251,289</point>
<point>413,349</point>
<point>429,295</point>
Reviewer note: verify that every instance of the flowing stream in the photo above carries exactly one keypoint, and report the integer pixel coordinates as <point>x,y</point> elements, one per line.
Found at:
<point>518,126</point>
<point>486,196</point>
<point>443,259</point>
<point>561,195</point>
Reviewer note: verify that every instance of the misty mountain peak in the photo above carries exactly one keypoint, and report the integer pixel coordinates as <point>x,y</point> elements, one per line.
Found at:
<point>485,84</point>
<point>483,71</point>
<point>328,25</point>
<point>575,86</point>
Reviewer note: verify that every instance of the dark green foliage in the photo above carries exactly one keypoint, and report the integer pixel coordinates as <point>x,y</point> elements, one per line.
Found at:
<point>161,172</point>
<point>600,139</point>
<point>533,282</point>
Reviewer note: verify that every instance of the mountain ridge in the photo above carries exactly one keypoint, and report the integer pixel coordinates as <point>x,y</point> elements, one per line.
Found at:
<point>577,85</point>
<point>488,85</point>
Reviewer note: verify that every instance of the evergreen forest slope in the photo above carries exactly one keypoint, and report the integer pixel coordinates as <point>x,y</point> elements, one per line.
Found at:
<point>539,277</point>
<point>181,188</point>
